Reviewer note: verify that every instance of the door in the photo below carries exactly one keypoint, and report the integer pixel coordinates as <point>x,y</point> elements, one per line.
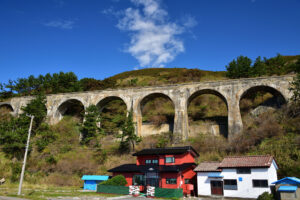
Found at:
<point>216,187</point>
<point>152,179</point>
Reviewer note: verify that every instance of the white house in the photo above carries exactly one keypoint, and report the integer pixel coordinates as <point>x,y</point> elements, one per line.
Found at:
<point>237,176</point>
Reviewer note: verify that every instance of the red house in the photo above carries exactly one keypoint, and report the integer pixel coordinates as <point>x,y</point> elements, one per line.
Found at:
<point>170,167</point>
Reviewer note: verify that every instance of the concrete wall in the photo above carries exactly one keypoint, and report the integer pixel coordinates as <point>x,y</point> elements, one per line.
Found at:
<point>194,129</point>
<point>150,129</point>
<point>207,128</point>
<point>231,91</point>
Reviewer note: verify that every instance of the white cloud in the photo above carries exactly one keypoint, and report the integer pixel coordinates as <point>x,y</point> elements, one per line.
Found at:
<point>62,24</point>
<point>189,21</point>
<point>154,38</point>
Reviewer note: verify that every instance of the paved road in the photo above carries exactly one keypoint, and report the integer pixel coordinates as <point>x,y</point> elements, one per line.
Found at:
<point>127,197</point>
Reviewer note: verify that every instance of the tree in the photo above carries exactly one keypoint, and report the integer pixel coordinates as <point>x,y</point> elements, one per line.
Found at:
<point>13,132</point>
<point>295,99</point>
<point>239,68</point>
<point>259,67</point>
<point>297,66</point>
<point>276,65</point>
<point>116,180</point>
<point>37,108</point>
<point>13,136</point>
<point>90,129</point>
<point>295,88</point>
<point>128,136</point>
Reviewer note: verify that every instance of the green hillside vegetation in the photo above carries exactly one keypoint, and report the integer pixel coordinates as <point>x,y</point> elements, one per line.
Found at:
<point>57,157</point>
<point>207,106</point>
<point>60,154</point>
<point>113,115</point>
<point>157,110</point>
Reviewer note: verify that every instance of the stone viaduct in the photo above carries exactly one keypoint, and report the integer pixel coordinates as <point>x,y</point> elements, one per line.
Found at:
<point>230,91</point>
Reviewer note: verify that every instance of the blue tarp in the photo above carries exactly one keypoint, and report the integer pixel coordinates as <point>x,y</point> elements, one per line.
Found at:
<point>285,188</point>
<point>288,180</point>
<point>95,177</point>
<point>91,181</point>
<point>215,175</point>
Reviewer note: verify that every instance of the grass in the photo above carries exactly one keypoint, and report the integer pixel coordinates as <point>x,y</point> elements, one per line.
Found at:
<point>40,192</point>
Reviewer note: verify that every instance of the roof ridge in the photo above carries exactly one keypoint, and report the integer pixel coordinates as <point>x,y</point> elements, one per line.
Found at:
<point>249,156</point>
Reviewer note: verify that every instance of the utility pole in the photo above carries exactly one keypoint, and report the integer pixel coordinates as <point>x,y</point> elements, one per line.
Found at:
<point>25,156</point>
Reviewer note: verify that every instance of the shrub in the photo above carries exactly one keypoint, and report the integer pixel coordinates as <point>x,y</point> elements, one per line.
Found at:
<point>116,180</point>
<point>16,170</point>
<point>265,196</point>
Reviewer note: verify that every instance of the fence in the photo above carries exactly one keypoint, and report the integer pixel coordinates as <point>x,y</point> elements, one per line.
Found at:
<point>112,189</point>
<point>158,192</point>
<point>168,193</point>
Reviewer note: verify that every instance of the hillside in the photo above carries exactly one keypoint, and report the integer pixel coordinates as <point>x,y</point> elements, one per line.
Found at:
<point>68,82</point>
<point>60,154</point>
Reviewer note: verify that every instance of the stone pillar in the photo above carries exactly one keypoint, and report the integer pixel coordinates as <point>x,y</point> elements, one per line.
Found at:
<point>235,123</point>
<point>137,117</point>
<point>180,130</point>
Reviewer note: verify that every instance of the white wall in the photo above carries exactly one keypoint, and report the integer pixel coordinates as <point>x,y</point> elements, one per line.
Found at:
<point>203,183</point>
<point>245,187</point>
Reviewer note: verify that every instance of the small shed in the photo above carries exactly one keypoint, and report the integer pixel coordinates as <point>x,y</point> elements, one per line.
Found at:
<point>91,181</point>
<point>288,188</point>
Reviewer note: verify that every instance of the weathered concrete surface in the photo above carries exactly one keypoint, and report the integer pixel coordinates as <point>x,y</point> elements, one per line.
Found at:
<point>230,91</point>
<point>208,128</point>
<point>151,129</point>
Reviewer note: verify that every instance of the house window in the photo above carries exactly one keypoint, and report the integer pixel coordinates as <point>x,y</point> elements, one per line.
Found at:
<point>155,162</point>
<point>171,181</point>
<point>170,160</point>
<point>243,170</point>
<point>187,181</point>
<point>148,161</point>
<point>230,184</point>
<point>260,183</point>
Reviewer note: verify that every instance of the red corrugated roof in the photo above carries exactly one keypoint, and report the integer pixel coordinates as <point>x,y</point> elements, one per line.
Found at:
<point>246,161</point>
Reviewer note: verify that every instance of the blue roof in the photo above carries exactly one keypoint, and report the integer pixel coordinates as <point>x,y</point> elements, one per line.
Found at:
<point>95,177</point>
<point>288,180</point>
<point>285,188</point>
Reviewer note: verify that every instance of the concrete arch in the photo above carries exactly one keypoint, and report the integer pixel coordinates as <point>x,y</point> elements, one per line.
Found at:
<point>279,98</point>
<point>102,102</point>
<point>8,107</point>
<point>219,125</point>
<point>110,107</point>
<point>144,98</point>
<point>206,91</point>
<point>65,105</point>
<point>138,111</point>
<point>151,95</point>
<point>271,88</point>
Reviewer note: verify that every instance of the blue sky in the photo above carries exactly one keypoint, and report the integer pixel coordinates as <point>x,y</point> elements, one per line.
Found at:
<point>100,38</point>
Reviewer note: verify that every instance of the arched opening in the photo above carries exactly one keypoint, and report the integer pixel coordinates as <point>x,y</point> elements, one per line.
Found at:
<point>208,113</point>
<point>157,111</point>
<point>113,114</point>
<point>5,111</point>
<point>6,108</point>
<point>73,108</point>
<point>259,99</point>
